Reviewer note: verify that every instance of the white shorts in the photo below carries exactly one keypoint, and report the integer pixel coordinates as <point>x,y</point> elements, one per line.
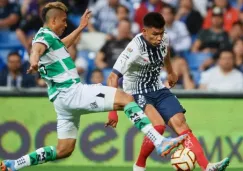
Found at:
<point>77,100</point>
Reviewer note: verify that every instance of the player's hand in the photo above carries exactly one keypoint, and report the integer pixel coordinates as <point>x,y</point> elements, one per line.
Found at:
<point>85,19</point>
<point>172,79</point>
<point>32,69</point>
<point>112,119</point>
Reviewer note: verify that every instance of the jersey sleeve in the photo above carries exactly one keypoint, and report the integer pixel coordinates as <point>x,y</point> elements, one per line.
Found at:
<point>45,38</point>
<point>165,44</point>
<point>165,40</point>
<point>126,58</point>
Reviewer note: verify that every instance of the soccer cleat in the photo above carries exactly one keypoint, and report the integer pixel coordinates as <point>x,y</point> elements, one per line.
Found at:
<point>7,165</point>
<point>168,144</point>
<point>138,168</point>
<point>219,166</point>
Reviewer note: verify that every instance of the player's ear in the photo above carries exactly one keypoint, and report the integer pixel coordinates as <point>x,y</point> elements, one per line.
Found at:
<point>144,31</point>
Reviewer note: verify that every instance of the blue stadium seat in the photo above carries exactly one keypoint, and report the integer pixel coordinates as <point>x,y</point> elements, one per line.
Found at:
<point>75,19</point>
<point>194,60</point>
<point>9,43</point>
<point>196,76</point>
<point>106,73</point>
<point>9,39</point>
<point>2,64</point>
<point>88,56</point>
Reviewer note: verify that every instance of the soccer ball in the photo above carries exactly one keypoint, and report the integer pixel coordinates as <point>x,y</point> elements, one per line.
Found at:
<point>183,160</point>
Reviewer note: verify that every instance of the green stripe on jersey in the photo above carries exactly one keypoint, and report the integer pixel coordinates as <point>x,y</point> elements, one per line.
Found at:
<point>54,69</point>
<point>66,84</point>
<point>55,65</point>
<point>69,63</point>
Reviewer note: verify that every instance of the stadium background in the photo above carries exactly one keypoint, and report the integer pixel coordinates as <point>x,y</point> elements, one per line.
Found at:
<point>29,122</point>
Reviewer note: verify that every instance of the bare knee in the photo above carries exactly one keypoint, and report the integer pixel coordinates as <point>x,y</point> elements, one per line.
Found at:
<point>178,123</point>
<point>122,99</point>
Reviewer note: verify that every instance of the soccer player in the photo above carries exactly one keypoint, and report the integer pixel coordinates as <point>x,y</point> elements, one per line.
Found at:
<point>71,98</point>
<point>140,65</point>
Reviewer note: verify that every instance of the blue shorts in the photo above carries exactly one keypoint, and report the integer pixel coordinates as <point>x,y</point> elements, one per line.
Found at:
<point>165,102</point>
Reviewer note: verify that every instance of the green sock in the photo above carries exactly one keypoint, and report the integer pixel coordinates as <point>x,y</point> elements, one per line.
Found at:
<point>39,156</point>
<point>141,121</point>
<point>137,116</point>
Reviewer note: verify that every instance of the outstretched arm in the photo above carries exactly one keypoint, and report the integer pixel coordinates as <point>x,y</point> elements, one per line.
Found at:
<point>71,38</point>
<point>37,50</point>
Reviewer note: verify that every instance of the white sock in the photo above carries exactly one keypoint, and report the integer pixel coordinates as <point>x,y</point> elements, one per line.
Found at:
<point>22,162</point>
<point>153,135</point>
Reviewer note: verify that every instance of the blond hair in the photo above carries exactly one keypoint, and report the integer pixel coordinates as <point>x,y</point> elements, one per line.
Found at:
<point>53,5</point>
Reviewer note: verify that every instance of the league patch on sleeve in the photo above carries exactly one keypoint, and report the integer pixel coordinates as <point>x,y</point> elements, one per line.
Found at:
<point>129,49</point>
<point>40,39</point>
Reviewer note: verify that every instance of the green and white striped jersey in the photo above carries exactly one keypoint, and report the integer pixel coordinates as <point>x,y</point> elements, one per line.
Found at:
<point>56,66</point>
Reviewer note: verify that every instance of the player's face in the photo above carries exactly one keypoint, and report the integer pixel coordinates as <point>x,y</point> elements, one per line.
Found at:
<point>153,35</point>
<point>60,23</point>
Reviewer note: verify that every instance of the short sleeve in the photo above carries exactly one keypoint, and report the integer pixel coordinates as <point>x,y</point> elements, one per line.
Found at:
<point>44,38</point>
<point>126,58</point>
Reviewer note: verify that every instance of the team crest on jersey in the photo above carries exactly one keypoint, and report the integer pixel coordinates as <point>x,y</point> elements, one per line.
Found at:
<point>141,101</point>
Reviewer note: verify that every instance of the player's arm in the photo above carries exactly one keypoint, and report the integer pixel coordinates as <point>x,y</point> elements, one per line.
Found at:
<point>36,52</point>
<point>123,63</point>
<point>172,76</point>
<point>71,38</point>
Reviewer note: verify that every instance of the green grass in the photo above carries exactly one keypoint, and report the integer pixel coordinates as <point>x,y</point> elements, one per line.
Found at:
<point>73,168</point>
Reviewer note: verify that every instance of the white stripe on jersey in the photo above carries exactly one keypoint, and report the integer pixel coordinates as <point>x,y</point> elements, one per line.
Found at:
<point>140,64</point>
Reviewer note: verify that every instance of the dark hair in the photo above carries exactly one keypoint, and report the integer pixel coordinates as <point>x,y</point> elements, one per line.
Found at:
<point>126,19</point>
<point>226,50</point>
<point>172,9</point>
<point>154,19</point>
<point>237,23</point>
<point>97,70</point>
<point>14,53</point>
<point>122,6</point>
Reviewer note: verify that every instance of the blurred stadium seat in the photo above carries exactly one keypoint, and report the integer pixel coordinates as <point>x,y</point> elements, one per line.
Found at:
<point>194,60</point>
<point>106,73</point>
<point>196,75</point>
<point>75,19</point>
<point>9,43</point>
<point>89,57</point>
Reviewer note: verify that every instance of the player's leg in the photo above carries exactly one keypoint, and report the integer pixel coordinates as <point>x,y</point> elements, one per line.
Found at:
<point>147,146</point>
<point>173,114</point>
<point>178,123</point>
<point>42,155</point>
<point>67,128</point>
<point>139,119</point>
<point>97,98</point>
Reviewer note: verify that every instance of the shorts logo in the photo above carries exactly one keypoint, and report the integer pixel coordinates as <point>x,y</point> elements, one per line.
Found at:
<point>93,105</point>
<point>141,101</point>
